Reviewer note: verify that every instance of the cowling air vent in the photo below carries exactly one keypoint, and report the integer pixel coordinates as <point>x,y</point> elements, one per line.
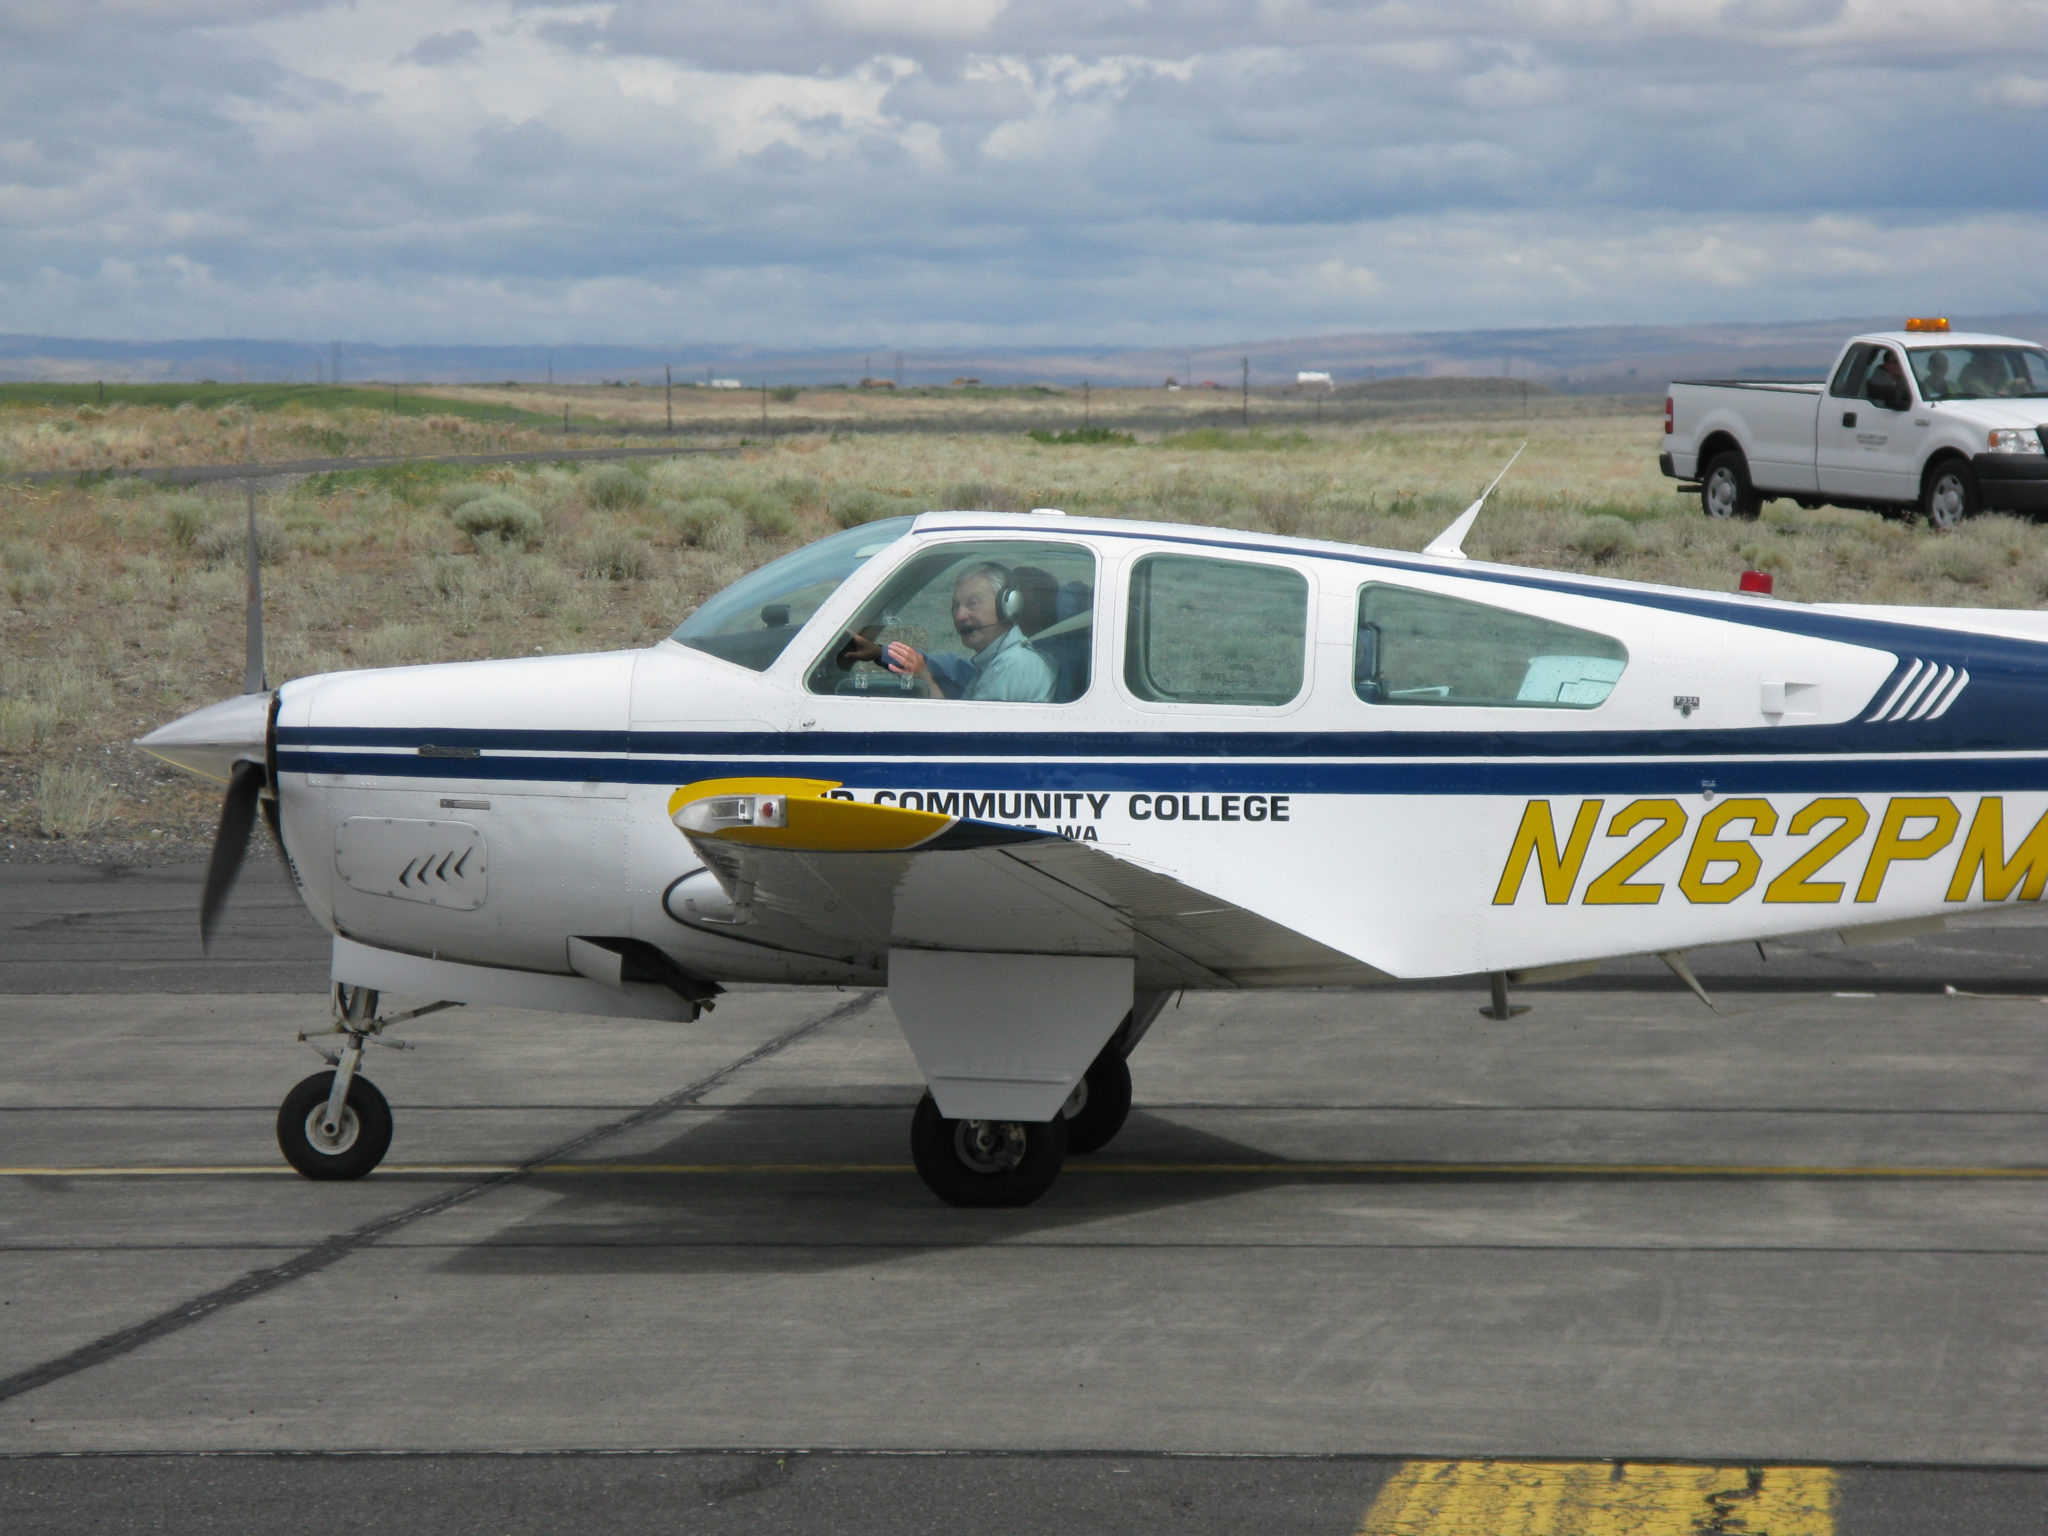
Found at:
<point>1921,691</point>
<point>440,863</point>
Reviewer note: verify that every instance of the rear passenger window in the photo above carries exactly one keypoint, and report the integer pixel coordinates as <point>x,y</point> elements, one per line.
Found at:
<point>1424,648</point>
<point>1208,631</point>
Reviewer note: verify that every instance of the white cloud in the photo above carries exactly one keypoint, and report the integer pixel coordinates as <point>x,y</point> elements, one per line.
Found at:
<point>914,18</point>
<point>1036,170</point>
<point>2021,93</point>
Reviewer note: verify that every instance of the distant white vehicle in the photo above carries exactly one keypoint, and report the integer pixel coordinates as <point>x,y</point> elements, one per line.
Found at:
<point>727,384</point>
<point>1314,378</point>
<point>1925,418</point>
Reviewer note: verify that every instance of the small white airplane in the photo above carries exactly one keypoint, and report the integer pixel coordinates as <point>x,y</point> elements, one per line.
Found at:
<point>1037,773</point>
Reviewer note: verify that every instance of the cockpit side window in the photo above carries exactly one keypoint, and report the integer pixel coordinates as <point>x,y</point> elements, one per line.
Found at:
<point>1010,622</point>
<point>1419,647</point>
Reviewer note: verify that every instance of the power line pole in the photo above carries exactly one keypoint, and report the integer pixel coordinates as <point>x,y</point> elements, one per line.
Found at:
<point>764,405</point>
<point>668,394</point>
<point>334,351</point>
<point>1087,419</point>
<point>1245,398</point>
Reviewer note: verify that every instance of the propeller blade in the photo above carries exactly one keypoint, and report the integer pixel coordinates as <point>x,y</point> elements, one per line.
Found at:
<point>230,844</point>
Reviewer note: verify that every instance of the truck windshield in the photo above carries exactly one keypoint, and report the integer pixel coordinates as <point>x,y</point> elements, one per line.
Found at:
<point>1980,373</point>
<point>752,621</point>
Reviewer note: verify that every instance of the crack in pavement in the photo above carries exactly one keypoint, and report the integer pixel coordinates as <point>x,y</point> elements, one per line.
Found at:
<point>326,1252</point>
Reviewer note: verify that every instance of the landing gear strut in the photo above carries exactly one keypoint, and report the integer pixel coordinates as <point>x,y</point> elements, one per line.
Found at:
<point>985,1162</point>
<point>336,1125</point>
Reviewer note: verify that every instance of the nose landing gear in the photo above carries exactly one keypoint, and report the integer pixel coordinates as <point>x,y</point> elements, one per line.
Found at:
<point>326,1142</point>
<point>336,1125</point>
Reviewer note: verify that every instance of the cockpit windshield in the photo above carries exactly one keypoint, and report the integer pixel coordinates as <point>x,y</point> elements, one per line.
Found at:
<point>753,620</point>
<point>1980,373</point>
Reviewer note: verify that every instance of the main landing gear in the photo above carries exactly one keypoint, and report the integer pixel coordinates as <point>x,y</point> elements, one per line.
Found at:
<point>336,1125</point>
<point>1009,1163</point>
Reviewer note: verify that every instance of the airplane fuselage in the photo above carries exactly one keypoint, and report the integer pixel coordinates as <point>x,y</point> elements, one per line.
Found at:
<point>1756,768</point>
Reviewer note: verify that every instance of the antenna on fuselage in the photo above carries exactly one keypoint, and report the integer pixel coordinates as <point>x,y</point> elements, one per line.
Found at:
<point>1451,542</point>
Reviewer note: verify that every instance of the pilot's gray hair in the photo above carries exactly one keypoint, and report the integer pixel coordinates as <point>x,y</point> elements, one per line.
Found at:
<point>999,574</point>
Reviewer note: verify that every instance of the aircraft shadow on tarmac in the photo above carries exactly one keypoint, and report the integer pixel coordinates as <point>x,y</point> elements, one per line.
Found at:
<point>852,1194</point>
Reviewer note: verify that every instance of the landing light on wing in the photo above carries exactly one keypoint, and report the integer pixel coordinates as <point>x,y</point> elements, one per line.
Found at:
<point>728,811</point>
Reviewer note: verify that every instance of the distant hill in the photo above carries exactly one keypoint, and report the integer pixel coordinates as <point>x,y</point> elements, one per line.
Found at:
<point>1578,359</point>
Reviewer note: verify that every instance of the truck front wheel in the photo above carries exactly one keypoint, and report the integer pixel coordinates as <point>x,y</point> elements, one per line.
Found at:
<point>1949,494</point>
<point>1725,490</point>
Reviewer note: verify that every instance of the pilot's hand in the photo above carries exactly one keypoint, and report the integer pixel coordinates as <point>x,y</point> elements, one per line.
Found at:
<point>857,648</point>
<point>907,660</point>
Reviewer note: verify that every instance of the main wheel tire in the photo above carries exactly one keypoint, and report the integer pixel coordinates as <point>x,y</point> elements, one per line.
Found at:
<point>1725,489</point>
<point>985,1163</point>
<point>357,1147</point>
<point>1950,495</point>
<point>1099,1105</point>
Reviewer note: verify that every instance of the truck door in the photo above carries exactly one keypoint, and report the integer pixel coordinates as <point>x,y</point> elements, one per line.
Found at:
<point>1866,445</point>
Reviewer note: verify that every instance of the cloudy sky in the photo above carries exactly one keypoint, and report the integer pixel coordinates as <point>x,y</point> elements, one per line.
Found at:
<point>991,172</point>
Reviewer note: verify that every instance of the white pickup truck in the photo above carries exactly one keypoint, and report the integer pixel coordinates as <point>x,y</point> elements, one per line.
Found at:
<point>1926,418</point>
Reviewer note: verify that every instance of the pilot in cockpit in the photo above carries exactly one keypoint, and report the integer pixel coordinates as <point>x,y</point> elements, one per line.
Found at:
<point>988,603</point>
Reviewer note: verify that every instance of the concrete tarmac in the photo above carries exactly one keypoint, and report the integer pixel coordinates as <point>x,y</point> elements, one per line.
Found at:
<point>1361,1260</point>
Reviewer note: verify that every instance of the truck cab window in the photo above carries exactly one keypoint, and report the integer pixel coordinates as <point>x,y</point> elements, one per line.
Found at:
<point>1424,648</point>
<point>1980,373</point>
<point>1855,369</point>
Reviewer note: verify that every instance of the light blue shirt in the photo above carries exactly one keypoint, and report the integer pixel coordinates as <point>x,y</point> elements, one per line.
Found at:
<point>1010,671</point>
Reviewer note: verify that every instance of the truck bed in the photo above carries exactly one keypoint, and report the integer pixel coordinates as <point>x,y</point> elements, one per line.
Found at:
<point>1782,386</point>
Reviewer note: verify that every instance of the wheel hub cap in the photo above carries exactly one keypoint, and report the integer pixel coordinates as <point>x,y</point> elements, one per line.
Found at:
<point>1720,496</point>
<point>1945,508</point>
<point>1076,1101</point>
<point>989,1146</point>
<point>344,1135</point>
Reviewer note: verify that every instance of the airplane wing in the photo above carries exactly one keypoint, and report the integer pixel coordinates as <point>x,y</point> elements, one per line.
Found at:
<point>800,871</point>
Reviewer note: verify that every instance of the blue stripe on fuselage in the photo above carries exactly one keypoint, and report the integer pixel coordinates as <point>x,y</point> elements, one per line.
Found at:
<point>1467,776</point>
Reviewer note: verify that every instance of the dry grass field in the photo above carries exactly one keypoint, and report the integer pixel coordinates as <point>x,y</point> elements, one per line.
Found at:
<point>120,601</point>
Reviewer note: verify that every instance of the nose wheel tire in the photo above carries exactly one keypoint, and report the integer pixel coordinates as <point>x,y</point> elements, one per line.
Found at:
<point>1725,488</point>
<point>352,1147</point>
<point>1099,1104</point>
<point>985,1163</point>
<point>1950,495</point>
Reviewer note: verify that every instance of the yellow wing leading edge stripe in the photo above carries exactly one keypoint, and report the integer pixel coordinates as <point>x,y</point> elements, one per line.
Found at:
<point>815,823</point>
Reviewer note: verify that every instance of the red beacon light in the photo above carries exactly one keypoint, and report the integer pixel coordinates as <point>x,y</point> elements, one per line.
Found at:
<point>1757,583</point>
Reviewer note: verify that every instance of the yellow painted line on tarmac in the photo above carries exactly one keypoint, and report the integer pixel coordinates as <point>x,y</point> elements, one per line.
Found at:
<point>1755,1171</point>
<point>1581,1170</point>
<point>1600,1498</point>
